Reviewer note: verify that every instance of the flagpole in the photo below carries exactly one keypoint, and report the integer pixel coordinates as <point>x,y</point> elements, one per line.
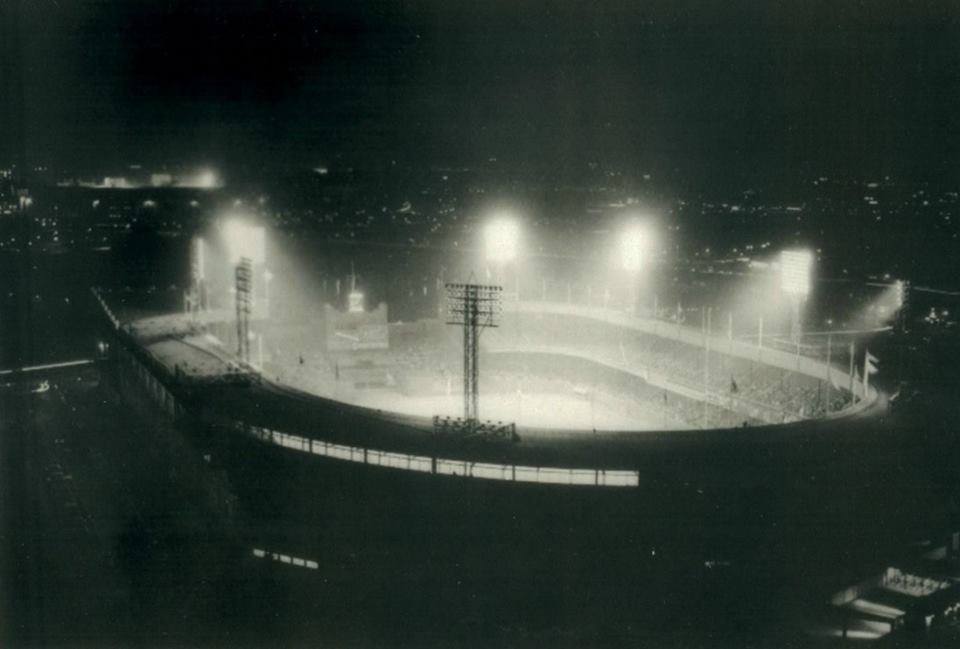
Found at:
<point>853,350</point>
<point>866,372</point>
<point>869,367</point>
<point>760,340</point>
<point>829,378</point>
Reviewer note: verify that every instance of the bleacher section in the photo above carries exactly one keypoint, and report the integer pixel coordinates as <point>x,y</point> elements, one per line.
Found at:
<point>757,391</point>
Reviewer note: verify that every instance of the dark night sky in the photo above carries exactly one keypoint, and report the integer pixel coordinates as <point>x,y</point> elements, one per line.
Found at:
<point>835,85</point>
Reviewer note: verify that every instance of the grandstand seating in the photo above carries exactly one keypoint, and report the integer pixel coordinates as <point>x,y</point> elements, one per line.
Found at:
<point>691,385</point>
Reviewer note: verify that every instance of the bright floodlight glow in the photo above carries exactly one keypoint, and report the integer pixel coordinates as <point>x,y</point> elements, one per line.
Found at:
<point>199,269</point>
<point>795,271</point>
<point>203,179</point>
<point>244,240</point>
<point>502,240</point>
<point>632,244</point>
<point>207,179</point>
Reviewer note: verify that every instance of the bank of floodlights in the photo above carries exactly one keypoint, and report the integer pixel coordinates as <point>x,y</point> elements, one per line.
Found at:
<point>244,240</point>
<point>796,270</point>
<point>633,242</point>
<point>197,260</point>
<point>207,179</point>
<point>501,240</point>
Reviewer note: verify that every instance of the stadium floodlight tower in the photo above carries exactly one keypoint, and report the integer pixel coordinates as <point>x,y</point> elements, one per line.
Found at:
<point>246,251</point>
<point>196,300</point>
<point>796,268</point>
<point>474,307</point>
<point>902,296</point>
<point>245,240</point>
<point>244,304</point>
<point>502,246</point>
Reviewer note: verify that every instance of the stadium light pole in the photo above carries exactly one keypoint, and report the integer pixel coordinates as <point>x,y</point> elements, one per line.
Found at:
<point>796,269</point>
<point>267,278</point>
<point>196,295</point>
<point>246,251</point>
<point>902,296</point>
<point>245,240</point>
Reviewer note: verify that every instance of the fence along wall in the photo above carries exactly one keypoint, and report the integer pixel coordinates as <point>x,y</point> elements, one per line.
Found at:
<point>441,466</point>
<point>157,385</point>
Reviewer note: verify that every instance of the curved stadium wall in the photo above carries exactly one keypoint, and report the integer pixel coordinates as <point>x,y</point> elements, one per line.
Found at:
<point>309,426</point>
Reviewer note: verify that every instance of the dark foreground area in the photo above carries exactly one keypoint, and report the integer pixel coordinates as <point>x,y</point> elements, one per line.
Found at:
<point>138,533</point>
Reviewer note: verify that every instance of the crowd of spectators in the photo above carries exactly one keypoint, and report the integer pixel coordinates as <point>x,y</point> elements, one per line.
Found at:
<point>752,388</point>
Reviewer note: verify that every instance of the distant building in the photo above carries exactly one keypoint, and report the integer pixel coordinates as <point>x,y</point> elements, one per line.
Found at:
<point>161,180</point>
<point>355,330</point>
<point>115,182</point>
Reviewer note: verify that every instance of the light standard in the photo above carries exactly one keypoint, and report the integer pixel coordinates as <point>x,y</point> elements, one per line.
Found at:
<point>267,278</point>
<point>246,251</point>
<point>195,298</point>
<point>245,240</point>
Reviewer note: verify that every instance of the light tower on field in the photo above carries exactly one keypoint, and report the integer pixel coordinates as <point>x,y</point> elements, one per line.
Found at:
<point>244,304</point>
<point>796,269</point>
<point>902,295</point>
<point>246,251</point>
<point>474,307</point>
<point>196,298</point>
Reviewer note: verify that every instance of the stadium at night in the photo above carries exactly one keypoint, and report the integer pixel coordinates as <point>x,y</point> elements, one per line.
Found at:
<point>554,375</point>
<point>554,391</point>
<point>450,324</point>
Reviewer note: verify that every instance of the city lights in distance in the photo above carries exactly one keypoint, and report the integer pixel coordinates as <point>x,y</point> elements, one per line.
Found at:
<point>244,240</point>
<point>796,267</point>
<point>502,240</point>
